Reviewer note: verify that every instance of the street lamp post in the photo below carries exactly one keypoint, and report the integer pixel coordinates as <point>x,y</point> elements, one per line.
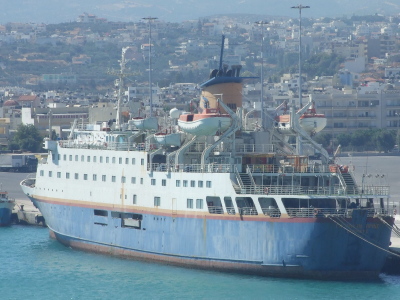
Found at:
<point>262,23</point>
<point>149,19</point>
<point>300,7</point>
<point>398,129</point>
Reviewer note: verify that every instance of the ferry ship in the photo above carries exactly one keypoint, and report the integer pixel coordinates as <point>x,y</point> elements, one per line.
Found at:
<point>222,198</point>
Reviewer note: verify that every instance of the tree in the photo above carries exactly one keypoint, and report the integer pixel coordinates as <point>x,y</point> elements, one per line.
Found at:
<point>324,139</point>
<point>344,139</point>
<point>384,140</point>
<point>359,139</point>
<point>28,138</point>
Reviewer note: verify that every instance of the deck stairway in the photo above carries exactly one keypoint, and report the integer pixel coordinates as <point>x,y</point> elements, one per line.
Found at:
<point>246,183</point>
<point>350,184</point>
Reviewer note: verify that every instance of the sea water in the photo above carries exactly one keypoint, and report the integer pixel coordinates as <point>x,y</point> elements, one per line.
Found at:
<point>33,266</point>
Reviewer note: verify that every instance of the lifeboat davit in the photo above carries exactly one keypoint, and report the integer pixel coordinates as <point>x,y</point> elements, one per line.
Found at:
<point>209,122</point>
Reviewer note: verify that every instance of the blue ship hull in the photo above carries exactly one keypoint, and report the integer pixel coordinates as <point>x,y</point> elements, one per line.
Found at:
<point>5,216</point>
<point>295,247</point>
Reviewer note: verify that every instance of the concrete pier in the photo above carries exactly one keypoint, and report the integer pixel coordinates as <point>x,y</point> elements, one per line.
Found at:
<point>26,213</point>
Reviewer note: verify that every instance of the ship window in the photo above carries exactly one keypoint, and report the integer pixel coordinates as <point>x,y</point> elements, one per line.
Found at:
<point>185,183</point>
<point>246,206</point>
<point>82,158</point>
<point>103,178</point>
<point>123,179</point>
<point>164,182</point>
<point>113,178</point>
<point>126,161</point>
<point>157,201</point>
<point>189,203</point>
<point>153,182</point>
<point>76,158</point>
<point>94,177</point>
<point>133,180</point>
<point>269,207</point>
<point>141,180</point>
<point>50,173</point>
<point>200,183</point>
<point>178,183</point>
<point>101,159</point>
<point>133,161</point>
<point>214,205</point>
<point>65,156</point>
<point>84,176</point>
<point>94,159</point>
<point>134,200</point>
<point>142,161</point>
<point>192,183</point>
<point>230,208</point>
<point>70,158</point>
<point>113,160</point>
<point>41,173</point>
<point>120,160</point>
<point>67,175</point>
<point>107,160</point>
<point>103,213</point>
<point>208,183</point>
<point>88,159</point>
<point>199,203</point>
<point>232,106</point>
<point>116,214</point>
<point>58,174</point>
<point>76,176</point>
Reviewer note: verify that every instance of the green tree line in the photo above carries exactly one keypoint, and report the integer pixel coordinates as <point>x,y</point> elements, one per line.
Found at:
<point>381,140</point>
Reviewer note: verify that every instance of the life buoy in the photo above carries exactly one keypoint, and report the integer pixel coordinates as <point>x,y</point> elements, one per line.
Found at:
<point>266,191</point>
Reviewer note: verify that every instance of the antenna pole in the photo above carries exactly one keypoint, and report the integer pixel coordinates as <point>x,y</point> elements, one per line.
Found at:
<point>222,52</point>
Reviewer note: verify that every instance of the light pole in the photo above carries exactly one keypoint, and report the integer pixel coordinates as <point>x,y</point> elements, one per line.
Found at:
<point>261,23</point>
<point>300,7</point>
<point>398,129</point>
<point>149,19</point>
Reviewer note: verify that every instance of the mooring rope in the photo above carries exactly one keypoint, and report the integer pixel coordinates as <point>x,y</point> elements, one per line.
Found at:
<point>364,239</point>
<point>394,227</point>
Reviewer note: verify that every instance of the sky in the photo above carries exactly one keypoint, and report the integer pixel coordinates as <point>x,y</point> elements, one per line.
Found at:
<point>58,11</point>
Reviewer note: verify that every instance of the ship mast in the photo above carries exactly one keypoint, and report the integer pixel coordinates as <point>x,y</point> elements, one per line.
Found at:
<point>261,23</point>
<point>299,140</point>
<point>300,7</point>
<point>121,75</point>
<point>149,19</point>
<point>120,87</point>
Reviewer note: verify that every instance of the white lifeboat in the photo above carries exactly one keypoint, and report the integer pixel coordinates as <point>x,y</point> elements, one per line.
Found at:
<point>169,139</point>
<point>145,123</point>
<point>310,121</point>
<point>209,122</point>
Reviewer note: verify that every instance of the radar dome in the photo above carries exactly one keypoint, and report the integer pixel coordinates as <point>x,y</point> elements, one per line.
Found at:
<point>174,113</point>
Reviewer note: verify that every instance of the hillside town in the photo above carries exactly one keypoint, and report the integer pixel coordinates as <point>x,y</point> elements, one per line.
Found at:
<point>354,83</point>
